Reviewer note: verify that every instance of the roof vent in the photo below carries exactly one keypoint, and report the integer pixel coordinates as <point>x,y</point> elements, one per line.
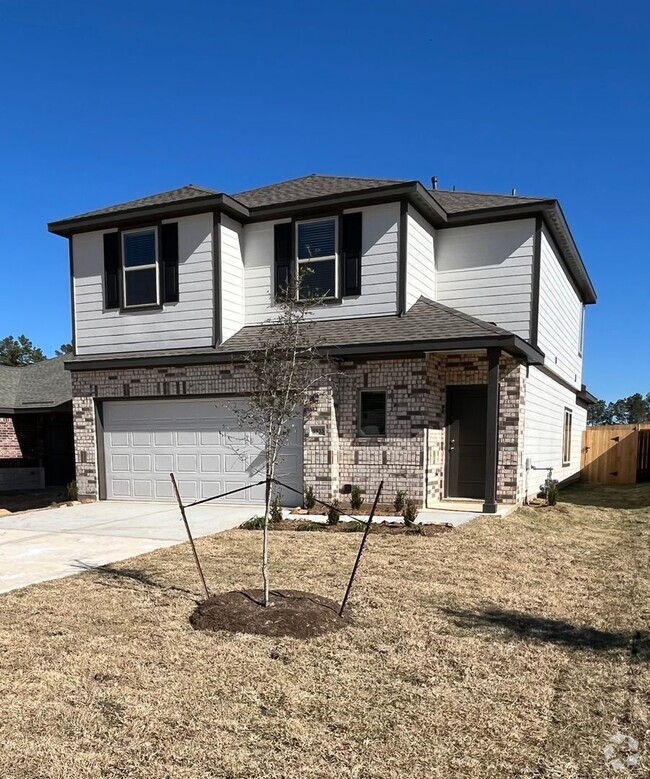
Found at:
<point>514,191</point>
<point>434,182</point>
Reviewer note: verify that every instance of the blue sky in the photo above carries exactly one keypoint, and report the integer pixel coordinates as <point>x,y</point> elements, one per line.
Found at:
<point>106,102</point>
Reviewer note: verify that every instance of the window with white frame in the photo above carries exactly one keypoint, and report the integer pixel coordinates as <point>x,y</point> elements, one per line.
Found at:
<point>566,437</point>
<point>140,268</point>
<point>316,242</point>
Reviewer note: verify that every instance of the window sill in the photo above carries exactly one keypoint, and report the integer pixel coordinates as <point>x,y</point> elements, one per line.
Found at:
<point>369,439</point>
<point>135,309</point>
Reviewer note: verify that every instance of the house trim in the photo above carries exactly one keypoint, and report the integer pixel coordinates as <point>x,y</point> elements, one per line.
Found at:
<point>216,271</point>
<point>537,266</point>
<point>511,343</point>
<point>402,257</point>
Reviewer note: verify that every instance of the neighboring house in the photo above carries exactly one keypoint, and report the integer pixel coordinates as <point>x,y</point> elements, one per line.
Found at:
<point>455,320</point>
<point>36,440</point>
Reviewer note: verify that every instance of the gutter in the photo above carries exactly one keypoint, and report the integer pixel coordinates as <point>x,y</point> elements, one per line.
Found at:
<point>507,342</point>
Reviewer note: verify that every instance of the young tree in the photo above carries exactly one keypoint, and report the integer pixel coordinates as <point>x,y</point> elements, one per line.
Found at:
<point>285,369</point>
<point>64,349</point>
<point>19,351</point>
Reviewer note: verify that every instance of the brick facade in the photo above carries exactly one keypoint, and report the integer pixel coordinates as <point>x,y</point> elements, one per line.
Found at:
<point>21,437</point>
<point>9,445</point>
<point>409,457</point>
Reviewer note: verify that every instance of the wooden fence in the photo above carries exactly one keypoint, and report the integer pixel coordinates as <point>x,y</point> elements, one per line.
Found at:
<point>616,454</point>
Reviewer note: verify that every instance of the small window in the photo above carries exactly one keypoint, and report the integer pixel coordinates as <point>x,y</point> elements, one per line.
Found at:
<point>372,413</point>
<point>316,242</point>
<point>140,262</point>
<point>566,437</point>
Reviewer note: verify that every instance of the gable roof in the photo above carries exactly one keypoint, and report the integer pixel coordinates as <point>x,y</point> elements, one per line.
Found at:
<point>307,187</point>
<point>427,326</point>
<point>455,202</point>
<point>42,385</point>
<point>444,208</point>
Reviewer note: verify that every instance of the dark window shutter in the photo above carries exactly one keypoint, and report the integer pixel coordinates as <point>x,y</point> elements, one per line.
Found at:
<point>169,261</point>
<point>351,253</point>
<point>111,270</point>
<point>283,243</point>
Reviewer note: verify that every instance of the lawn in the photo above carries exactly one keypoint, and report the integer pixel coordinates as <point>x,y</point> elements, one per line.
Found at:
<point>511,647</point>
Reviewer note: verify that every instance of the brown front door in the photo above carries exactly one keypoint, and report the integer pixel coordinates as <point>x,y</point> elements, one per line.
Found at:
<point>466,433</point>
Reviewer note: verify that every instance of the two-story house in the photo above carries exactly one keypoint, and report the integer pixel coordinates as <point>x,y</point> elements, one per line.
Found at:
<point>455,322</point>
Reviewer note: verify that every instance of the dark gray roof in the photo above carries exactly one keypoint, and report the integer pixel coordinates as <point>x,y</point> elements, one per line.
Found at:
<point>307,187</point>
<point>458,202</point>
<point>188,192</point>
<point>424,321</point>
<point>426,326</point>
<point>43,384</point>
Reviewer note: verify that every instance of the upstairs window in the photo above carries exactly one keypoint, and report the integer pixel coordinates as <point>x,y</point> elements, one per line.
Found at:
<point>140,268</point>
<point>316,242</point>
<point>372,413</point>
<point>566,437</point>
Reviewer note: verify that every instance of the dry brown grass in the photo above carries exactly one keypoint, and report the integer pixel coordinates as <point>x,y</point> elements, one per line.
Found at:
<point>510,648</point>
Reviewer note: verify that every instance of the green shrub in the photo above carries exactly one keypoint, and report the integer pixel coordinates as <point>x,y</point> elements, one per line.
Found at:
<point>355,526</point>
<point>356,498</point>
<point>254,523</point>
<point>552,492</point>
<point>308,525</point>
<point>333,513</point>
<point>310,498</point>
<point>400,499</point>
<point>275,515</point>
<point>410,512</point>
<point>71,490</point>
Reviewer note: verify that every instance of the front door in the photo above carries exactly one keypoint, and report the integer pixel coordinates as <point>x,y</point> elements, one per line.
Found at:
<point>466,431</point>
<point>58,450</point>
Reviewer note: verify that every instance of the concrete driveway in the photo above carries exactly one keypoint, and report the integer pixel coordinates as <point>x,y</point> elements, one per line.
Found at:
<point>40,545</point>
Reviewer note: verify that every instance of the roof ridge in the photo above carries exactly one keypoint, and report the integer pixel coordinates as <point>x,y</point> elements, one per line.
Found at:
<point>487,194</point>
<point>313,176</point>
<point>462,315</point>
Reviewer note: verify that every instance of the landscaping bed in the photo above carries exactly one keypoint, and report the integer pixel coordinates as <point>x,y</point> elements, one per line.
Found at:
<point>513,647</point>
<point>397,528</point>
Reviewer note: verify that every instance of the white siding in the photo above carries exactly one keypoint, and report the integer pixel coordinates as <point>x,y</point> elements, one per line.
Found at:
<point>420,259</point>
<point>560,314</point>
<point>545,402</point>
<point>232,277</point>
<point>380,243</point>
<point>487,271</point>
<point>185,324</point>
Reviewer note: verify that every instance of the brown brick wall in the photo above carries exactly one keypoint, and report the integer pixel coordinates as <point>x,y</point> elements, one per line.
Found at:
<point>9,446</point>
<point>334,455</point>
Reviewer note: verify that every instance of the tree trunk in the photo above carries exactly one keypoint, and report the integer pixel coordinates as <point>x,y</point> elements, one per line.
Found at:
<point>265,539</point>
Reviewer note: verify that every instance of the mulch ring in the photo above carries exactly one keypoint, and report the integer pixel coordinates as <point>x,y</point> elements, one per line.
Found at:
<point>290,613</point>
<point>377,528</point>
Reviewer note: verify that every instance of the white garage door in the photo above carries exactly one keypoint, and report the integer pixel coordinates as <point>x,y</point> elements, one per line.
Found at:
<point>201,441</point>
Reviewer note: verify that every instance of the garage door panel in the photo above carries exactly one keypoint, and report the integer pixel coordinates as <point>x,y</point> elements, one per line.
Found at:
<point>163,463</point>
<point>200,440</point>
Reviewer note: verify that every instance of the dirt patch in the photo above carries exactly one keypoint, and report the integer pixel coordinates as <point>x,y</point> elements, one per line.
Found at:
<point>291,613</point>
<point>382,510</point>
<point>377,528</point>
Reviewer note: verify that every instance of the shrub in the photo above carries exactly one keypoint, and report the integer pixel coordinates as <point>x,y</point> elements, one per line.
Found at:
<point>355,526</point>
<point>308,525</point>
<point>333,513</point>
<point>310,498</point>
<point>410,512</point>
<point>400,499</point>
<point>276,511</point>
<point>254,523</point>
<point>552,492</point>
<point>356,498</point>
<point>71,490</point>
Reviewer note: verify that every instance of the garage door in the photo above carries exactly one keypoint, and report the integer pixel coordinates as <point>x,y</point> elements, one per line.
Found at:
<point>201,441</point>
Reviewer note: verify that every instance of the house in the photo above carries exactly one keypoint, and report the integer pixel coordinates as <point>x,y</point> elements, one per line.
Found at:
<point>456,322</point>
<point>36,439</point>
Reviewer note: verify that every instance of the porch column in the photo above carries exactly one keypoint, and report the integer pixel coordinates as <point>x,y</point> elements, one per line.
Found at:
<point>492,432</point>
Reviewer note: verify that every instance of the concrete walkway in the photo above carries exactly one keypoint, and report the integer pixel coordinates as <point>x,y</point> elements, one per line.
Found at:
<point>51,543</point>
